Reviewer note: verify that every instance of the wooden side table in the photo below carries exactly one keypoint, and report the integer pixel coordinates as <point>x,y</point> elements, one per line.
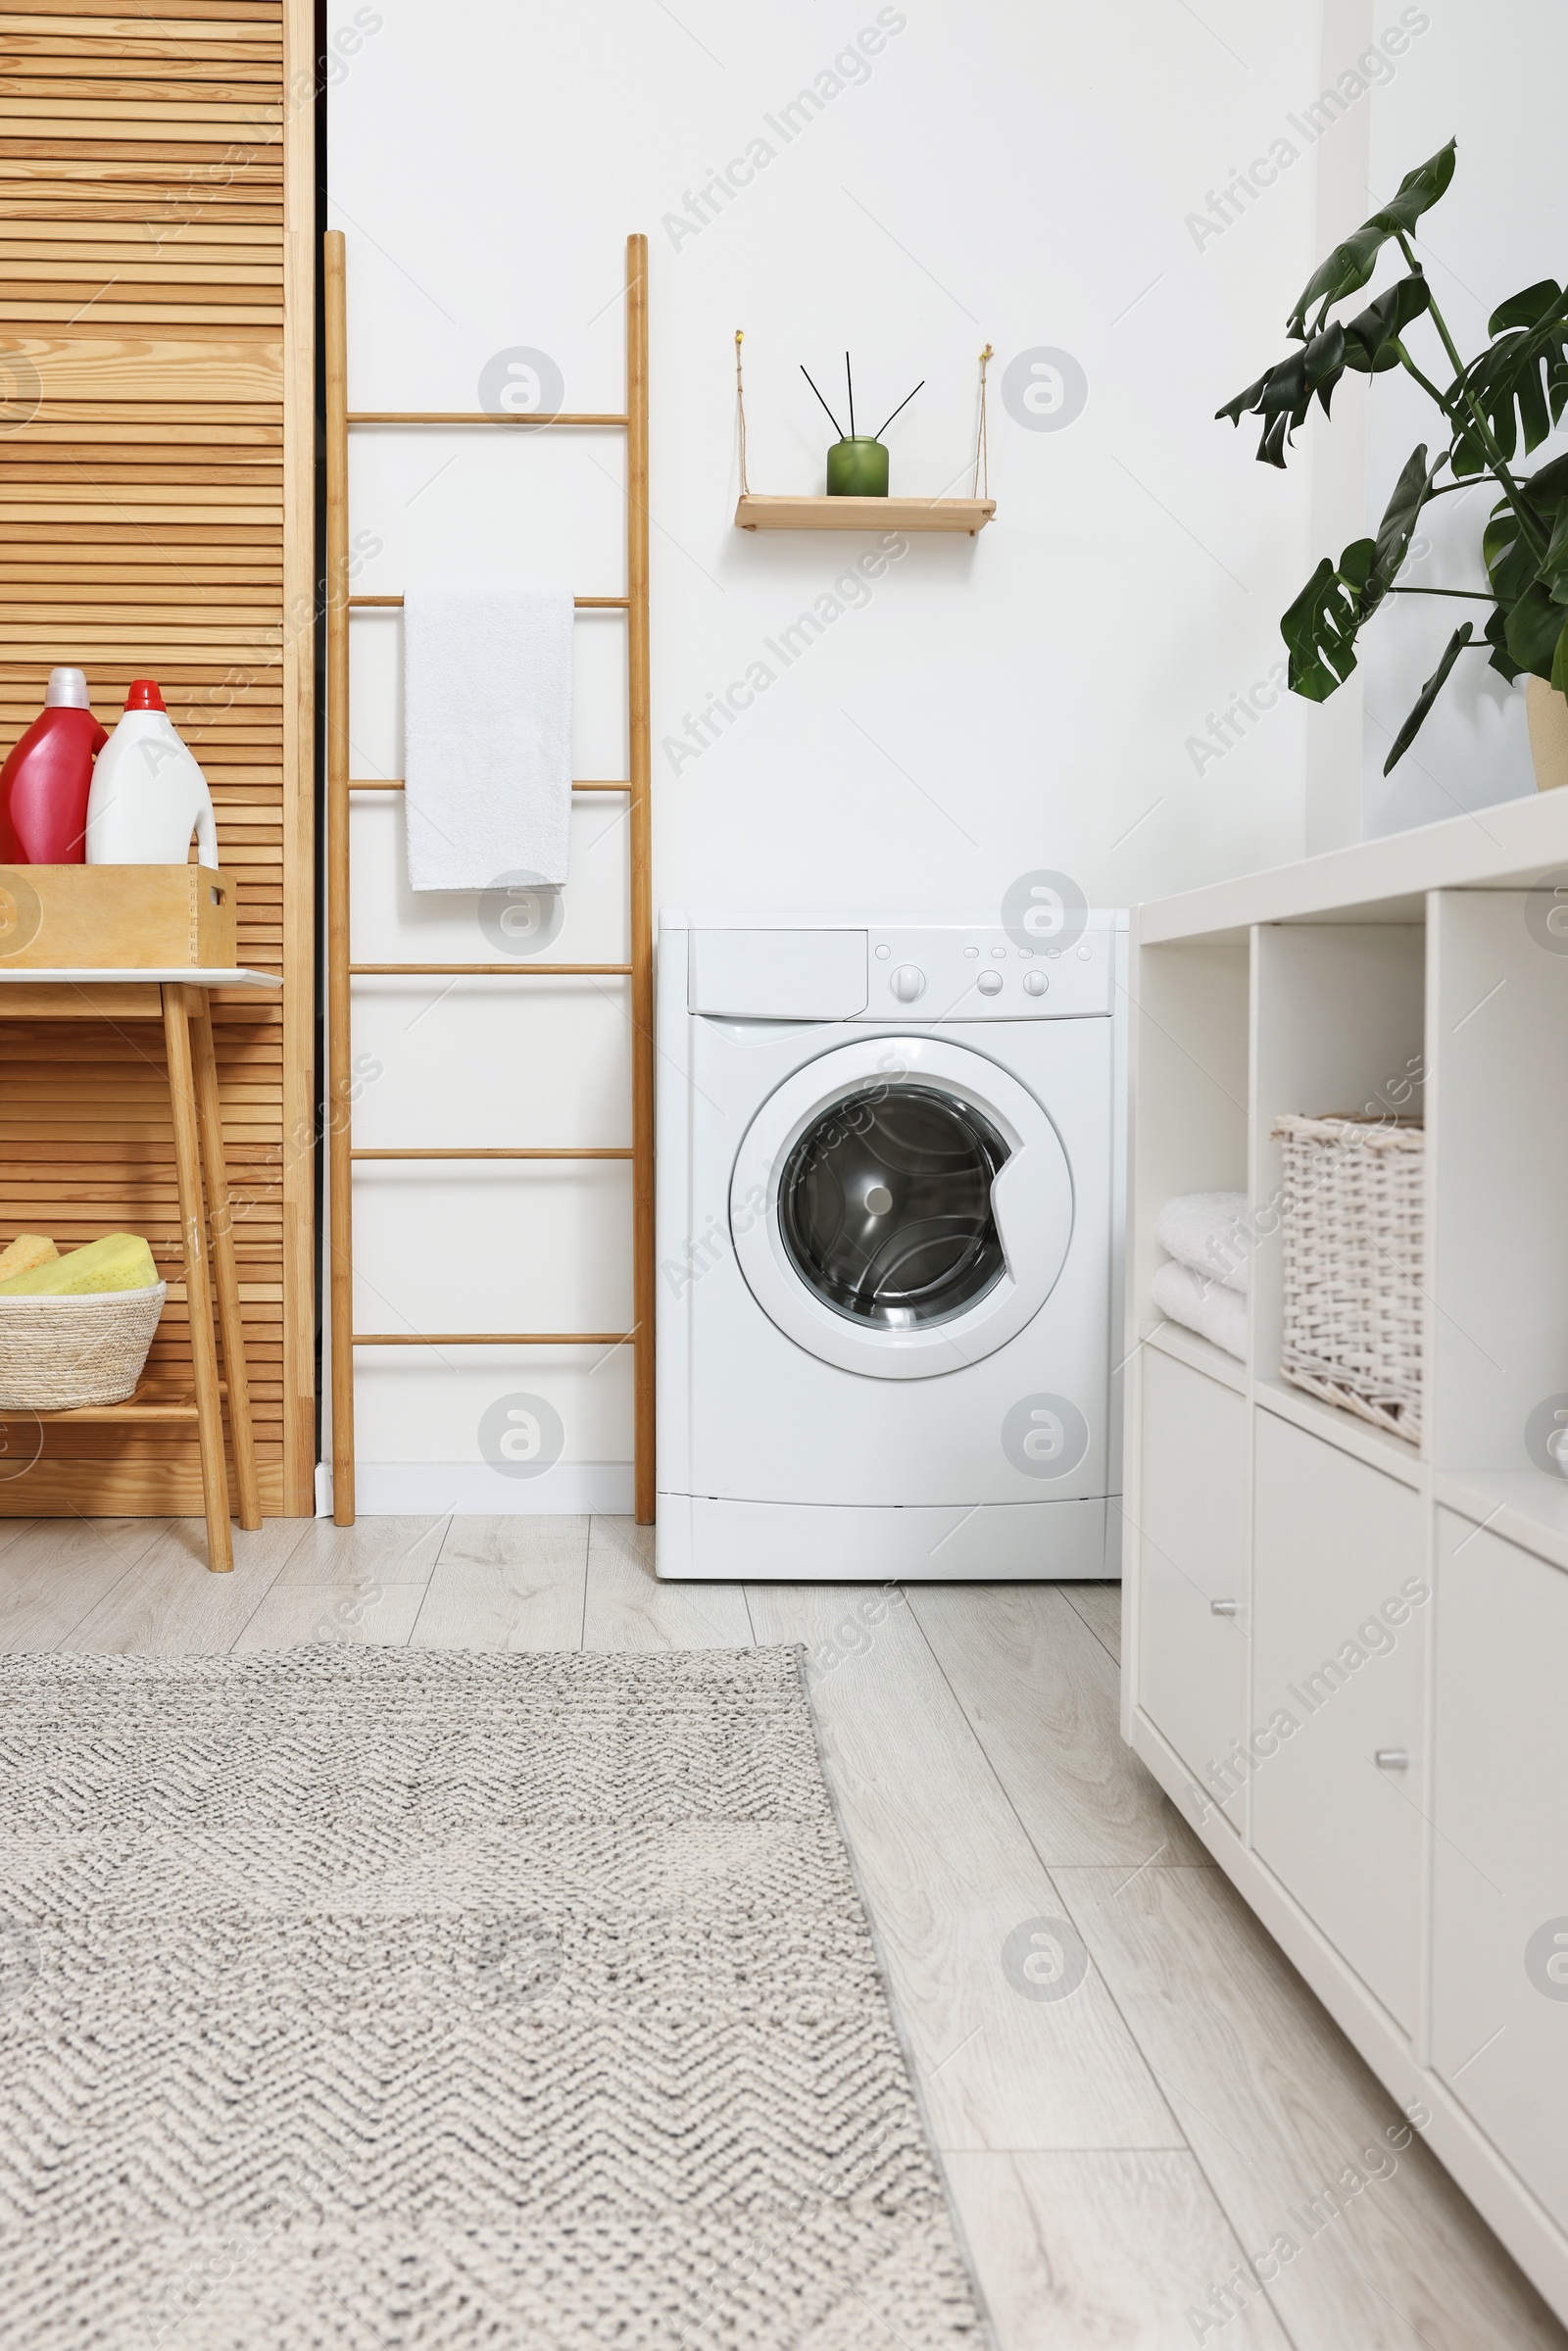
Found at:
<point>180,999</point>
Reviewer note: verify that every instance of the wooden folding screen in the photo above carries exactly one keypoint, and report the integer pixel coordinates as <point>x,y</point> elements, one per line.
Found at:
<point>155,520</point>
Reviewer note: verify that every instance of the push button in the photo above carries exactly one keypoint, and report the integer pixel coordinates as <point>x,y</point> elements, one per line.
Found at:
<point>989,982</point>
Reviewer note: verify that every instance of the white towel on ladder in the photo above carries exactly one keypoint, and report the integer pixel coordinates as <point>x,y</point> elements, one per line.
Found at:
<point>487,735</point>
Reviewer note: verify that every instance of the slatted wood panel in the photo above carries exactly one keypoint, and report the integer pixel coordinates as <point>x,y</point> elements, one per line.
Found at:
<point>157,242</point>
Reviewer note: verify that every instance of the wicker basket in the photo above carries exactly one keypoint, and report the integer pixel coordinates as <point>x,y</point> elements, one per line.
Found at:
<point>57,1353</point>
<point>1352,1229</point>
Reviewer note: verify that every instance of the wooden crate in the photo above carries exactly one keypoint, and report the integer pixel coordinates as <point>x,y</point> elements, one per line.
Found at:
<point>117,918</point>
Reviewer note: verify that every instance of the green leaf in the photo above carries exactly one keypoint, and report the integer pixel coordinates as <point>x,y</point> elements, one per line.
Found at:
<point>1546,487</point>
<point>1429,694</point>
<point>1531,630</point>
<point>1350,265</point>
<point>1245,403</point>
<point>1418,191</point>
<point>1528,309</point>
<point>1319,630</point>
<point>1555,567</point>
<point>1321,626</point>
<point>1283,396</point>
<point>1372,336</point>
<point>1511,563</point>
<point>1410,494</point>
<point>1355,564</point>
<point>1559,664</point>
<point>1346,271</point>
<point>1519,630</point>
<point>1368,343</point>
<point>1519,383</point>
<point>1496,633</point>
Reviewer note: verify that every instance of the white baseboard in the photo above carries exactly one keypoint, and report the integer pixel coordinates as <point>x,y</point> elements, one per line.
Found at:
<point>429,1489</point>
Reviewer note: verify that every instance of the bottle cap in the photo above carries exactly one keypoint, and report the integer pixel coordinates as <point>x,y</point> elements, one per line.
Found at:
<point>68,690</point>
<point>144,695</point>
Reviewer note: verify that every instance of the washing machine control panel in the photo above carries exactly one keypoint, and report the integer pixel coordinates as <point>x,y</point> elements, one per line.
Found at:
<point>986,974</point>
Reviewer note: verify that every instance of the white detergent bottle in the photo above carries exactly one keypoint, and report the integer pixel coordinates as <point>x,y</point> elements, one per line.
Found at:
<point>148,795</point>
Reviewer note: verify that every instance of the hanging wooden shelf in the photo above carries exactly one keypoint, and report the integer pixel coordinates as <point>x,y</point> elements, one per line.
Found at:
<point>755,513</point>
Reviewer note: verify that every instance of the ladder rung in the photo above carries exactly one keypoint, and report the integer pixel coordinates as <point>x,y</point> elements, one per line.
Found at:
<point>392,784</point>
<point>584,604</point>
<point>521,971</point>
<point>518,419</point>
<point>528,1151</point>
<point>494,1338</point>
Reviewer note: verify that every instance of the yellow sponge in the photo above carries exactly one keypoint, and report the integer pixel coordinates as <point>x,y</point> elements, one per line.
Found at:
<point>25,1252</point>
<point>120,1261</point>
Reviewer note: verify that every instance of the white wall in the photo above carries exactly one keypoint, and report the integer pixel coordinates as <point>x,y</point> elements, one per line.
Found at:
<point>1027,172</point>
<point>1492,71</point>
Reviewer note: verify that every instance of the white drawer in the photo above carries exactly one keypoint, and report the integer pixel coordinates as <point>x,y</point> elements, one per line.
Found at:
<point>1499,1926</point>
<point>1339,1614</point>
<point>1192,1658</point>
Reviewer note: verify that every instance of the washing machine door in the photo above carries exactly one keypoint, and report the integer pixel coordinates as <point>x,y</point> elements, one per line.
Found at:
<point>900,1206</point>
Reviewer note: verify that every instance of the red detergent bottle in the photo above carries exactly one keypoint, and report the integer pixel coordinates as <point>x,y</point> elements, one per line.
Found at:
<point>45,781</point>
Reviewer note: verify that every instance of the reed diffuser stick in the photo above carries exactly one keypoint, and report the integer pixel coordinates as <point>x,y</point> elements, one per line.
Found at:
<point>903,404</point>
<point>832,420</point>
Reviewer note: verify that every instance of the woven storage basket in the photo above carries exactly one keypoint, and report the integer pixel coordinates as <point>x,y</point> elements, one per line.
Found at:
<point>57,1353</point>
<point>1351,1232</point>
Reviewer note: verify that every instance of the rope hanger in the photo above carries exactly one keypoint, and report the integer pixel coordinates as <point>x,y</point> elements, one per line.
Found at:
<point>982,451</point>
<point>740,405</point>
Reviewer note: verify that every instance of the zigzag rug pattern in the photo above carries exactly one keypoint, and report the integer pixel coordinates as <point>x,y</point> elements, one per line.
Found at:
<point>396,2000</point>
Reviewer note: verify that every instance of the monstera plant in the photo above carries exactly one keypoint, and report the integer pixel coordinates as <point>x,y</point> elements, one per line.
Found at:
<point>1507,399</point>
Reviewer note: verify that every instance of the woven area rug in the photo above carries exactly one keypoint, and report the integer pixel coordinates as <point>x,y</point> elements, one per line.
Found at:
<point>390,2000</point>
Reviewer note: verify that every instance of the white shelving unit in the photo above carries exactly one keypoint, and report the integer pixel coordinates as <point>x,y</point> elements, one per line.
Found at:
<point>1346,1656</point>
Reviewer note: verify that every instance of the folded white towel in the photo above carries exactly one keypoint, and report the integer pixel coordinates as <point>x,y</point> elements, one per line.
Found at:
<point>1204,1305</point>
<point>487,735</point>
<point>1208,1230</point>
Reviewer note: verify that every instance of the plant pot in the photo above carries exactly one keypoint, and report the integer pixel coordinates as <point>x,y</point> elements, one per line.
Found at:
<point>858,468</point>
<point>1547,712</point>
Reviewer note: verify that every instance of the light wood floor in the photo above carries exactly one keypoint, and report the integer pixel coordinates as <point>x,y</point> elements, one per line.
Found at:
<point>1114,2154</point>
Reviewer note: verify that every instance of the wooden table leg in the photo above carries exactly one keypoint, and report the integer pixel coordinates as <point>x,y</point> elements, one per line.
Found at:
<point>226,1265</point>
<point>198,1292</point>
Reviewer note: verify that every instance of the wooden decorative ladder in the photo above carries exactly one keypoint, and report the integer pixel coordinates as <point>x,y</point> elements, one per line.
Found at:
<point>342,971</point>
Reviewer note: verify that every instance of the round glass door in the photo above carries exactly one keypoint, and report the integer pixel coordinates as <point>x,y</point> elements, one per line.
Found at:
<point>884,1207</point>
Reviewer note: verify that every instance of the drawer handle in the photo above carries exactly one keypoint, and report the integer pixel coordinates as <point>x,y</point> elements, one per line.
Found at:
<point>1391,1759</point>
<point>1222,1607</point>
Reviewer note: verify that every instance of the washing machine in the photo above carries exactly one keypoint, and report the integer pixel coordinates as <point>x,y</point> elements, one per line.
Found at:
<point>888,1217</point>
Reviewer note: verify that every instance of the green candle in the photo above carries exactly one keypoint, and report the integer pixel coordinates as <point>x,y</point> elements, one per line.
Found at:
<point>858,467</point>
